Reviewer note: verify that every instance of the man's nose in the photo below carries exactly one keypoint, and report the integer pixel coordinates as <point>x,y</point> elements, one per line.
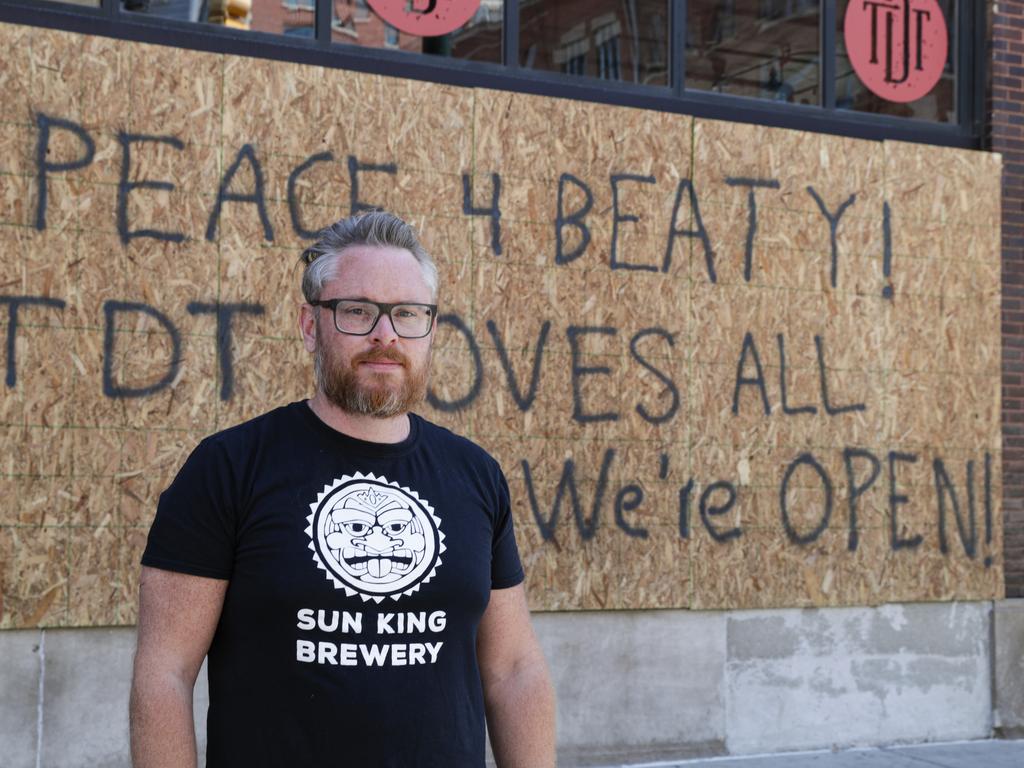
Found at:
<point>384,331</point>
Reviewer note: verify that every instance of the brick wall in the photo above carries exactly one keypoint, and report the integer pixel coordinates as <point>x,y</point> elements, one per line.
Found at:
<point>1006,135</point>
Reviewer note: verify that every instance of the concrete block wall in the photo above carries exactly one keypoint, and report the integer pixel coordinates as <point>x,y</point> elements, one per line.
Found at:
<point>1008,669</point>
<point>20,713</point>
<point>858,676</point>
<point>637,686</point>
<point>674,684</point>
<point>65,698</point>
<point>632,686</point>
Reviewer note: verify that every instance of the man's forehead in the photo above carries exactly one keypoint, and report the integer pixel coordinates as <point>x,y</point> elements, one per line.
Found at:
<point>363,268</point>
<point>376,258</point>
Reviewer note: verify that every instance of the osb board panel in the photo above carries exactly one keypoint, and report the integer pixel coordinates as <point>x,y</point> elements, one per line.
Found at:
<point>723,366</point>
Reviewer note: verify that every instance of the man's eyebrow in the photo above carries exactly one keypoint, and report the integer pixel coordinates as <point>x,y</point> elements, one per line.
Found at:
<point>354,298</point>
<point>374,301</point>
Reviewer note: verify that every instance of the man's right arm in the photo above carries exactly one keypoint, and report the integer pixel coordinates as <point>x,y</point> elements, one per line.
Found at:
<point>178,614</point>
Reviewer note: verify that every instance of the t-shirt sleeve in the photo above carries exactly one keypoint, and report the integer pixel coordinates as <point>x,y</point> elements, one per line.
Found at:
<point>506,568</point>
<point>194,529</point>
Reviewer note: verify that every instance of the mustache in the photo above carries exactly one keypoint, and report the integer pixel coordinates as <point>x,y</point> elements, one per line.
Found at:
<point>377,355</point>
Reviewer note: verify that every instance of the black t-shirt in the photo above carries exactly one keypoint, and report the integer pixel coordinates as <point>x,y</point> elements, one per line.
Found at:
<point>358,573</point>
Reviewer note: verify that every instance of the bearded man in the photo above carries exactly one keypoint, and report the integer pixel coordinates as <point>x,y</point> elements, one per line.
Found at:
<point>349,568</point>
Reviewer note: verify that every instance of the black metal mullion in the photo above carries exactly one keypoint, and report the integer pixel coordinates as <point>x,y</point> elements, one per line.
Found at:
<point>827,68</point>
<point>961,63</point>
<point>324,19</point>
<point>969,58</point>
<point>111,8</point>
<point>677,46</point>
<point>979,72</point>
<point>510,34</point>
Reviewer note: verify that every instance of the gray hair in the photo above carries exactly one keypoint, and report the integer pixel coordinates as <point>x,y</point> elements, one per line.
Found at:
<point>376,228</point>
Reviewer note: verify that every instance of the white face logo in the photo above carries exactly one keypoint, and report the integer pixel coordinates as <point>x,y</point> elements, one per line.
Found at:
<point>374,538</point>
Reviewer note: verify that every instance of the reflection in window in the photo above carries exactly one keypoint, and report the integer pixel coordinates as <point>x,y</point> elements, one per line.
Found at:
<point>185,10</point>
<point>354,23</point>
<point>89,3</point>
<point>767,49</point>
<point>571,51</point>
<point>724,24</point>
<point>937,105</point>
<point>606,38</point>
<point>625,40</point>
<point>295,18</point>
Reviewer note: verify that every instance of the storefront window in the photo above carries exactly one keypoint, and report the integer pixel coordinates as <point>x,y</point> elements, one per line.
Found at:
<point>623,40</point>
<point>283,17</point>
<point>767,49</point>
<point>355,23</point>
<point>937,104</point>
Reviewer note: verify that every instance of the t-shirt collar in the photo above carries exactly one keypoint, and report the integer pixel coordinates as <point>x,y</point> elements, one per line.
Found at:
<point>355,444</point>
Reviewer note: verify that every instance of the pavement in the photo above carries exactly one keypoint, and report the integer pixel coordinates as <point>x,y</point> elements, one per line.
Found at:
<point>991,753</point>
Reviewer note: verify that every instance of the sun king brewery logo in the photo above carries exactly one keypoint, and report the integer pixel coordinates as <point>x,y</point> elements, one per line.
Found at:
<point>374,538</point>
<point>426,18</point>
<point>897,47</point>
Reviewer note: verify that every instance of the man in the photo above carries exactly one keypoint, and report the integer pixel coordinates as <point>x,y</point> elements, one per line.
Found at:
<point>349,568</point>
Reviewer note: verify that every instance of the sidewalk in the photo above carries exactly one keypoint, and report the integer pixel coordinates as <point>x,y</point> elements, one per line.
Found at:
<point>960,754</point>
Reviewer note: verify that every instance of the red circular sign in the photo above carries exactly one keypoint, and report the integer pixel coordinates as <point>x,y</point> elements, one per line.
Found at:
<point>425,18</point>
<point>897,47</point>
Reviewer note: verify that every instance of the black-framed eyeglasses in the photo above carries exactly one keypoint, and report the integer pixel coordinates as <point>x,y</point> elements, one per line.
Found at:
<point>358,317</point>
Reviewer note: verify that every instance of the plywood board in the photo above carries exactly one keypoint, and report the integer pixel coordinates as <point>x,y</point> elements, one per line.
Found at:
<point>787,344</point>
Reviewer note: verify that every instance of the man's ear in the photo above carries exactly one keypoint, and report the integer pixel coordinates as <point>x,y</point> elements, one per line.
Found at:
<point>307,326</point>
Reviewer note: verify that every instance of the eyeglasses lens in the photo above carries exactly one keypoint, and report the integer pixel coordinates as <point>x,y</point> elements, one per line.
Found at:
<point>359,317</point>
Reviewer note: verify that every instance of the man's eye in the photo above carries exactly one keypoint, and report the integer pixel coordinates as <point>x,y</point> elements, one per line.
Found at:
<point>396,527</point>
<point>355,311</point>
<point>356,528</point>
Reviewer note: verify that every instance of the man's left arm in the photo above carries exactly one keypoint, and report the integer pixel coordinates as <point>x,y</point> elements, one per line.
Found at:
<point>518,694</point>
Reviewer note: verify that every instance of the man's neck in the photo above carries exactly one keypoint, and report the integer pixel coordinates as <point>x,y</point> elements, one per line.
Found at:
<point>370,428</point>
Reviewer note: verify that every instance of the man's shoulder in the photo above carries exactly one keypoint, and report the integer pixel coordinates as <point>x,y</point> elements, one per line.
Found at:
<point>244,434</point>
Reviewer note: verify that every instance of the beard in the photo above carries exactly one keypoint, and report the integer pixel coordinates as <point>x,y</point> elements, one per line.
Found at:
<point>379,395</point>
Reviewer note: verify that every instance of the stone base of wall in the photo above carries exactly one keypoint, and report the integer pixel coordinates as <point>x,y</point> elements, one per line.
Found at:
<point>682,683</point>
<point>1008,671</point>
<point>632,687</point>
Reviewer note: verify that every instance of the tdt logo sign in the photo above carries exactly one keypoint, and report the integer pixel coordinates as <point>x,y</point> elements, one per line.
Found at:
<point>425,18</point>
<point>897,47</point>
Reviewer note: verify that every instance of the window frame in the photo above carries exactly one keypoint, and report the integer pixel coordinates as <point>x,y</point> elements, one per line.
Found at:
<point>108,20</point>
